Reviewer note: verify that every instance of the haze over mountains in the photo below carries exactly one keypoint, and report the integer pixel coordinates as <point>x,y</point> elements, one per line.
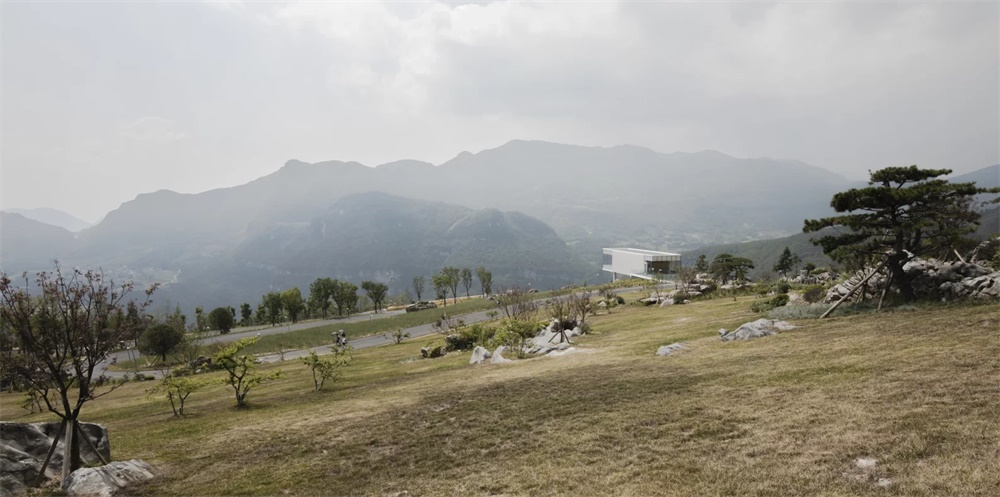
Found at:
<point>54,217</point>
<point>532,212</point>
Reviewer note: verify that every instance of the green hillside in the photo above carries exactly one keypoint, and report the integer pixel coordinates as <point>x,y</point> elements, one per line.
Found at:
<point>765,253</point>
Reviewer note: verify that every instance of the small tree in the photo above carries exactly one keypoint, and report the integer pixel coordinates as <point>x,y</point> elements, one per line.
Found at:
<point>727,267</point>
<point>453,276</point>
<point>787,262</point>
<point>741,268</point>
<point>485,280</point>
<point>246,314</point>
<point>177,389</point>
<point>516,303</point>
<point>581,305</point>
<point>418,286</point>
<point>905,212</point>
<point>376,292</point>
<point>200,321</point>
<point>399,335</point>
<point>686,276</point>
<point>160,340</point>
<point>701,265</point>
<point>241,369</point>
<point>320,292</point>
<point>327,368</point>
<point>345,296</point>
<point>291,300</point>
<point>441,283</point>
<point>516,334</point>
<point>467,280</point>
<point>61,334</point>
<point>221,319</point>
<point>273,303</point>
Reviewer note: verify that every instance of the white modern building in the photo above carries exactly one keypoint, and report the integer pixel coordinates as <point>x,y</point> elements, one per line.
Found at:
<point>639,263</point>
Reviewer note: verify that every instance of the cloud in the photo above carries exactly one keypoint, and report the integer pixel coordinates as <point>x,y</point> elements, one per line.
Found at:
<point>152,130</point>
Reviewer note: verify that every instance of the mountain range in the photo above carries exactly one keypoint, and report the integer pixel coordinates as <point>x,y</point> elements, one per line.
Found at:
<point>532,212</point>
<point>53,217</point>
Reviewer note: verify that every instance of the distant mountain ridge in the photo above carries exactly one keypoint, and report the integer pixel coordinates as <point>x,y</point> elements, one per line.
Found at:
<point>53,217</point>
<point>530,211</point>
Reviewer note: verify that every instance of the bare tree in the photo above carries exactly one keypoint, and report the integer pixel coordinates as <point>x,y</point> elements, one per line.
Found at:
<point>516,303</point>
<point>418,286</point>
<point>581,305</point>
<point>63,333</point>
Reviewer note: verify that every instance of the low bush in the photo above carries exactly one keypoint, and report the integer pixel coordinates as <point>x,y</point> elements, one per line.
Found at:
<point>181,371</point>
<point>467,337</point>
<point>765,305</point>
<point>814,293</point>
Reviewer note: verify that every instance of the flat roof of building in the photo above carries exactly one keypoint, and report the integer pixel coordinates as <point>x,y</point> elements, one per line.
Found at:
<point>642,251</point>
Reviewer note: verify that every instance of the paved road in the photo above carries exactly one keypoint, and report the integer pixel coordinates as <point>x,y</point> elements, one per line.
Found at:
<point>124,355</point>
<point>357,343</point>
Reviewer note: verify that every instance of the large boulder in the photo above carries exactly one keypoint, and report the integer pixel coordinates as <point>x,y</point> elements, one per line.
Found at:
<point>23,447</point>
<point>108,480</point>
<point>18,470</point>
<point>498,358</point>
<point>479,355</point>
<point>755,329</point>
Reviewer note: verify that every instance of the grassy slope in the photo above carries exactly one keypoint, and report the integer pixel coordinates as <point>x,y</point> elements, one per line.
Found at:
<point>777,416</point>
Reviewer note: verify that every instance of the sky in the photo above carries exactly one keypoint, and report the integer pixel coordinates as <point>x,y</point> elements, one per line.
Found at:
<point>102,101</point>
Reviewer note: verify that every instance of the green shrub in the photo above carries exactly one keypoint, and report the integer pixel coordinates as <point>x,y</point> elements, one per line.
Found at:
<point>467,337</point>
<point>814,294</point>
<point>782,287</point>
<point>780,300</point>
<point>681,296</point>
<point>764,305</point>
<point>181,371</point>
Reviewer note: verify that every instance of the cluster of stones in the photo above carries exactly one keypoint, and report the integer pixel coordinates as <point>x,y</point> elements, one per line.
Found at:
<point>547,341</point>
<point>932,278</point>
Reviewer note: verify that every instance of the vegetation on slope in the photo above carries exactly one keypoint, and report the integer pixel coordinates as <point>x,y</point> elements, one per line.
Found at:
<point>781,415</point>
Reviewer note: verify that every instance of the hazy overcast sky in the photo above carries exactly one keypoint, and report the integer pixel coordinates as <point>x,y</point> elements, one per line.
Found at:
<point>105,100</point>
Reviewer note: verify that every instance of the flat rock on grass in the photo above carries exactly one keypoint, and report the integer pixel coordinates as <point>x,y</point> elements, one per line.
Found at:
<point>669,349</point>
<point>755,329</point>
<point>108,480</point>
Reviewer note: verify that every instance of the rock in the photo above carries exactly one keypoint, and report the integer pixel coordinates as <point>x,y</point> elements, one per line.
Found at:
<point>649,301</point>
<point>669,349</point>
<point>18,472</point>
<point>23,447</point>
<point>863,463</point>
<point>498,357</point>
<point>562,352</point>
<point>755,329</point>
<point>479,355</point>
<point>108,480</point>
<point>883,482</point>
<point>667,302</point>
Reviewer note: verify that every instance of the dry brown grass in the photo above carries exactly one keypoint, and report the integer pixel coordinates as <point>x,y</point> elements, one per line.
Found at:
<point>784,415</point>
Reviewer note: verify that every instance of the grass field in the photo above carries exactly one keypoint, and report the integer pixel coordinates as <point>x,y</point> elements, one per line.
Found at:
<point>783,415</point>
